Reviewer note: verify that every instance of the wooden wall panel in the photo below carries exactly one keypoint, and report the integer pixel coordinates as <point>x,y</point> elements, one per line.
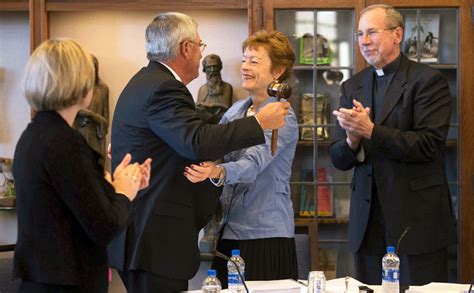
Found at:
<point>39,26</point>
<point>255,15</point>
<point>17,5</point>
<point>75,5</point>
<point>466,158</point>
<point>417,3</point>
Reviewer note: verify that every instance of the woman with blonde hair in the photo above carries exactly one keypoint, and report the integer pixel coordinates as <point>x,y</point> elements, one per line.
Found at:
<point>68,211</point>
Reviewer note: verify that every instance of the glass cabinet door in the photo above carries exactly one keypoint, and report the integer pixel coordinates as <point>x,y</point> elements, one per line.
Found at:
<point>432,37</point>
<point>324,47</point>
<point>323,44</point>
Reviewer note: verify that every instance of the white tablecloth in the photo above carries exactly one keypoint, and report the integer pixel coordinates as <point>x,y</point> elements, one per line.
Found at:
<point>338,286</point>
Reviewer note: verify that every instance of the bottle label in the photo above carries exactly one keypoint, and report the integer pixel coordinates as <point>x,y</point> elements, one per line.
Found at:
<point>234,279</point>
<point>390,275</point>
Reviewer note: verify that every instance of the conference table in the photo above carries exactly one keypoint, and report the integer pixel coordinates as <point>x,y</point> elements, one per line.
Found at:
<point>339,286</point>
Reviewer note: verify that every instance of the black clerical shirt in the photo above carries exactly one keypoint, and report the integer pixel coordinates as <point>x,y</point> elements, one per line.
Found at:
<point>383,79</point>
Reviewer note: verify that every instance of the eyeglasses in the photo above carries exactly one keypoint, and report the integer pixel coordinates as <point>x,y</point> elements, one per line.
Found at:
<point>201,44</point>
<point>371,33</point>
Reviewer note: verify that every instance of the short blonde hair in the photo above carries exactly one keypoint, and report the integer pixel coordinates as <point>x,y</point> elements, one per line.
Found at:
<point>59,74</point>
<point>279,49</point>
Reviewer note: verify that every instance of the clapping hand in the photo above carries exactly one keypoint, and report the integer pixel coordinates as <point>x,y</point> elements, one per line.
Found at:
<point>145,168</point>
<point>128,178</point>
<point>356,122</point>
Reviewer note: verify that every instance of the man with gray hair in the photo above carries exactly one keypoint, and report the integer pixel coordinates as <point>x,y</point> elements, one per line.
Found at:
<point>155,117</point>
<point>392,126</point>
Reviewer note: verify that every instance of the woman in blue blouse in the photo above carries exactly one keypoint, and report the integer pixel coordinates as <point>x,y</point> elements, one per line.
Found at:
<point>256,202</point>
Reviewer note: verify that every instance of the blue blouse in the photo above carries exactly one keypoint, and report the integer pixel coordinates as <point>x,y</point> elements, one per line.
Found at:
<point>256,198</point>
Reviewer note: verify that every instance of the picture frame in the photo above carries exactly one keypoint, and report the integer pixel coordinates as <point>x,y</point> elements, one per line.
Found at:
<point>421,39</point>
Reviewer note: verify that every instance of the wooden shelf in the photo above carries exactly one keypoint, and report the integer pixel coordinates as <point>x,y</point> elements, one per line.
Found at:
<point>451,143</point>
<point>7,247</point>
<point>444,66</point>
<point>7,208</point>
<point>22,5</point>
<point>309,143</point>
<point>301,222</point>
<point>7,203</point>
<point>207,256</point>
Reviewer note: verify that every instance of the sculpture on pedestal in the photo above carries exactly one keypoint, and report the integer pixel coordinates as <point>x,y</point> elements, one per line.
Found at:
<point>215,96</point>
<point>93,122</point>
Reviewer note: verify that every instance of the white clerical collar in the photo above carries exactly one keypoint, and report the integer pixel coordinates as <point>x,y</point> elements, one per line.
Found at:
<point>172,71</point>
<point>379,72</point>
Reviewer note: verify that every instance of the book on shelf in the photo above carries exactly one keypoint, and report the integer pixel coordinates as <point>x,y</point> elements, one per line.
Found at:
<point>307,117</point>
<point>324,195</point>
<point>421,40</point>
<point>324,53</point>
<point>7,187</point>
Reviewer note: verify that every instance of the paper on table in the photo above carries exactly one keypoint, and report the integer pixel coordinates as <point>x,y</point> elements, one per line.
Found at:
<point>280,286</point>
<point>339,285</point>
<point>439,288</point>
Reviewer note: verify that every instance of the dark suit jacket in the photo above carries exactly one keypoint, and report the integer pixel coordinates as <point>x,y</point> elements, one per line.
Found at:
<point>67,211</point>
<point>406,156</point>
<point>155,117</point>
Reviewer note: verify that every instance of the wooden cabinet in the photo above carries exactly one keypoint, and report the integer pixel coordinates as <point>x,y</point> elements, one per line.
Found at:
<point>316,85</point>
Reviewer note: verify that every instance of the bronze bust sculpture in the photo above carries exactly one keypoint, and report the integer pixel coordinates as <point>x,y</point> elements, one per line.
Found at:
<point>93,122</point>
<point>214,97</point>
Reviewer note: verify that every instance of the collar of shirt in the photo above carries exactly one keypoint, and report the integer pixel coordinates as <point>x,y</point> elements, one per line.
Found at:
<point>247,106</point>
<point>172,71</point>
<point>389,68</point>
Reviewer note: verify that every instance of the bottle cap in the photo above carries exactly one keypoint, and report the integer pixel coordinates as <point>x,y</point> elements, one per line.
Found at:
<point>390,249</point>
<point>211,273</point>
<point>235,252</point>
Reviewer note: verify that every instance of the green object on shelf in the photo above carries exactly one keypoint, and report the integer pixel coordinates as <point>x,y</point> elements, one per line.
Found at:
<point>323,51</point>
<point>10,191</point>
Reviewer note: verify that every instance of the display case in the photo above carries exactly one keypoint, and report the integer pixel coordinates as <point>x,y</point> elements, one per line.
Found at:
<point>432,37</point>
<point>326,55</point>
<point>322,38</point>
<point>324,47</point>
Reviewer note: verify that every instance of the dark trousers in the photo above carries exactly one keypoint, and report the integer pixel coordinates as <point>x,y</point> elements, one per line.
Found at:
<point>146,282</point>
<point>414,269</point>
<point>418,269</point>
<point>27,287</point>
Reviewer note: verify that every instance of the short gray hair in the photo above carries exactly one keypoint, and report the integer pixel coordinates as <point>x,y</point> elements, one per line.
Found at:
<point>165,34</point>
<point>394,18</point>
<point>59,74</point>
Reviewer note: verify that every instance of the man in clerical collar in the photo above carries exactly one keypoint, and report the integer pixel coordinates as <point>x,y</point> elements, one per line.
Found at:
<point>391,128</point>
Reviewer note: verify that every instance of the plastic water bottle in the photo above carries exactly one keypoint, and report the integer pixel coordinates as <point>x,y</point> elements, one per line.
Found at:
<point>390,271</point>
<point>211,283</point>
<point>236,284</point>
